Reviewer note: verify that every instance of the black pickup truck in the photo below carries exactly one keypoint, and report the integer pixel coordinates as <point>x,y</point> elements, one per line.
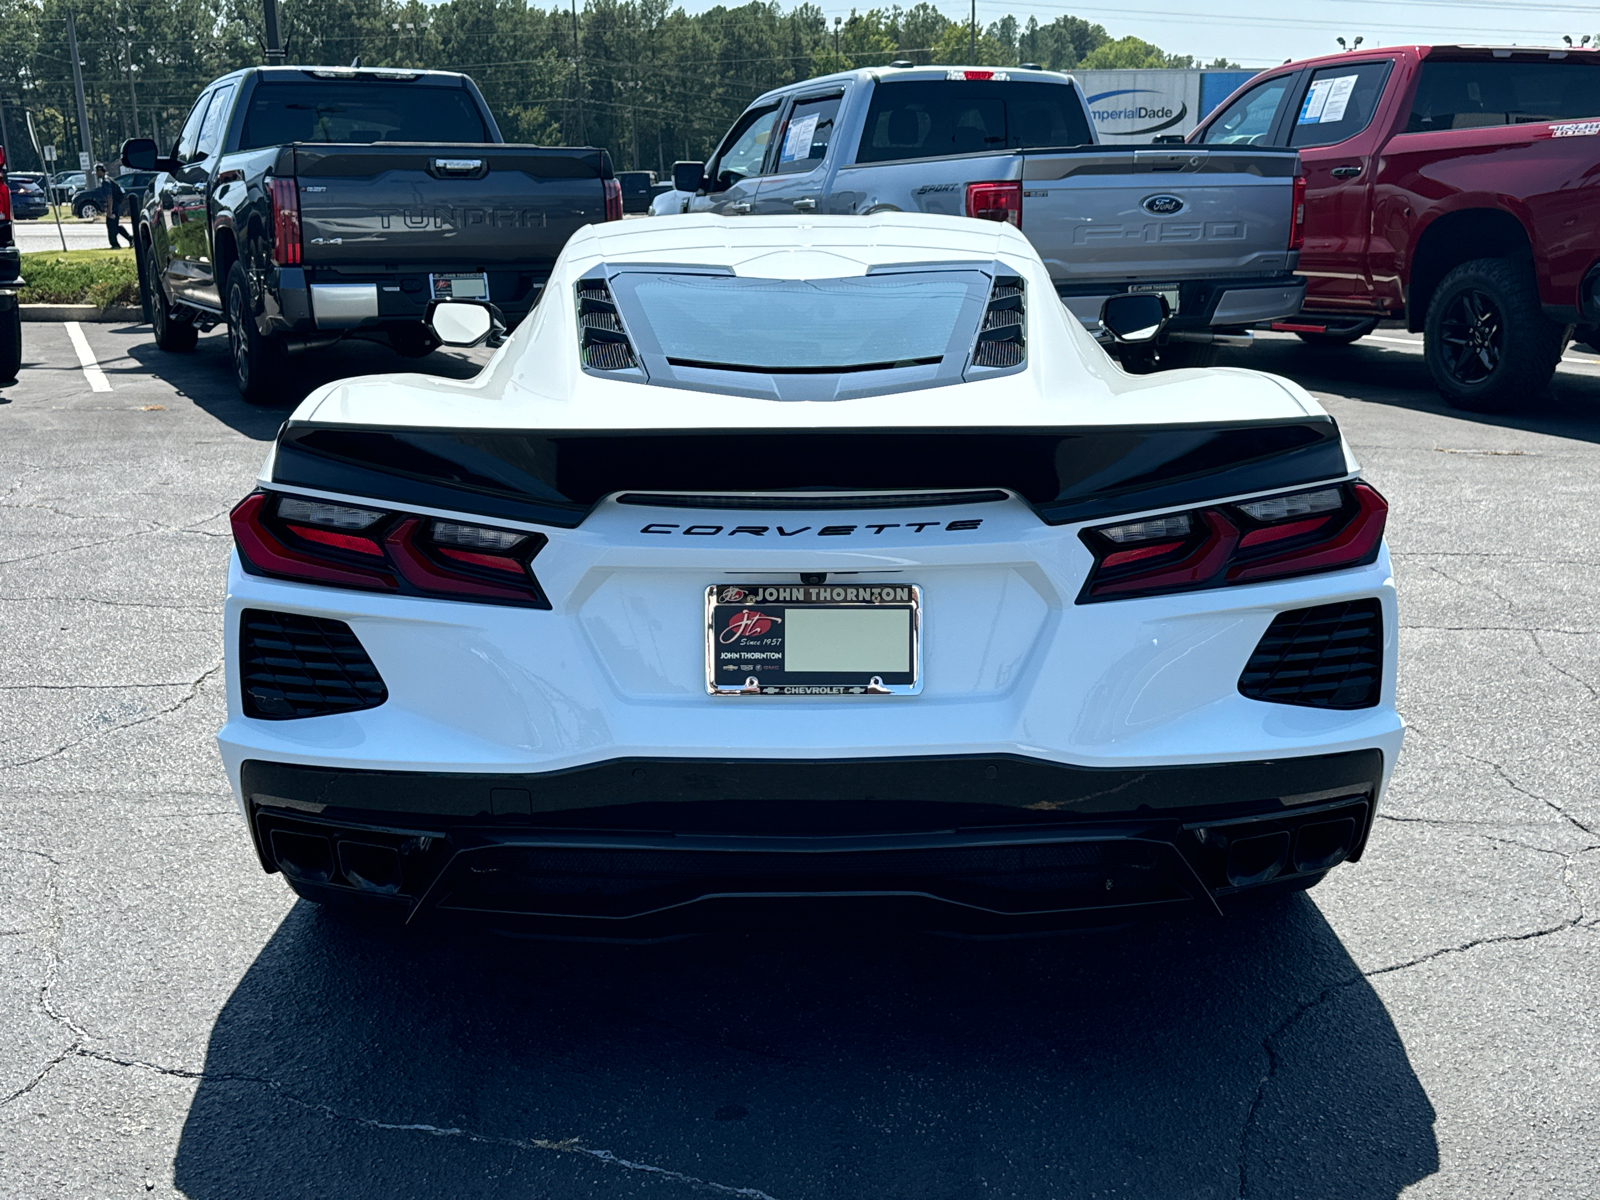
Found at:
<point>301,205</point>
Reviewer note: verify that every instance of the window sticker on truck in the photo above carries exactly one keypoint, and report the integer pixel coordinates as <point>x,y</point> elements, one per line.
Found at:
<point>798,143</point>
<point>1327,99</point>
<point>1576,129</point>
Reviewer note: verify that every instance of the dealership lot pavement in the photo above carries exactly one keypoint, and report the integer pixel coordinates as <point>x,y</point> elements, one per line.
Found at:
<point>1424,1023</point>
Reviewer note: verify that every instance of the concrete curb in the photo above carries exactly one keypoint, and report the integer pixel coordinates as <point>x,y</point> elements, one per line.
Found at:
<point>80,312</point>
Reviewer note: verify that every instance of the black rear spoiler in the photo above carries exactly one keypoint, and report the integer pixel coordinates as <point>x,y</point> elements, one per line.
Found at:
<point>557,477</point>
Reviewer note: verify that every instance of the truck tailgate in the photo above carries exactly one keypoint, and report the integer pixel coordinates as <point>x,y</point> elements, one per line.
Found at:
<point>1148,215</point>
<point>461,205</point>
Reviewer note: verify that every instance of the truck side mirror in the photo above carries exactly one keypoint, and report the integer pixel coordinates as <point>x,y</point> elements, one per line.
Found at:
<point>139,154</point>
<point>1134,317</point>
<point>689,176</point>
<point>458,324</point>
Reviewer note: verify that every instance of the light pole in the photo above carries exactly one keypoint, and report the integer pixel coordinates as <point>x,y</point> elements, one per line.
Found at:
<point>838,59</point>
<point>972,36</point>
<point>1352,46</point>
<point>274,38</point>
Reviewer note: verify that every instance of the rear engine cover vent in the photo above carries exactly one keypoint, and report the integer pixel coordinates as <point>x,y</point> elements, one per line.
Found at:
<point>1330,656</point>
<point>1002,341</point>
<point>603,339</point>
<point>292,666</point>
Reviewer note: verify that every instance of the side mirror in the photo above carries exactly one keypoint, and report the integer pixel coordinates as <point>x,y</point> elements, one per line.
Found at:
<point>140,154</point>
<point>689,176</point>
<point>1134,317</point>
<point>458,324</point>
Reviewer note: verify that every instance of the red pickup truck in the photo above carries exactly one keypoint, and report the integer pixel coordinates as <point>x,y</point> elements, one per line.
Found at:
<point>1455,188</point>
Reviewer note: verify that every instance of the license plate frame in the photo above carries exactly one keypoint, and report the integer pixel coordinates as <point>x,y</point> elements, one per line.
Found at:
<point>445,286</point>
<point>762,669</point>
<point>1168,291</point>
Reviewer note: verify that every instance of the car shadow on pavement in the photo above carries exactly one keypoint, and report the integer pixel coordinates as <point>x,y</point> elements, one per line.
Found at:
<point>1570,409</point>
<point>205,376</point>
<point>1191,1057</point>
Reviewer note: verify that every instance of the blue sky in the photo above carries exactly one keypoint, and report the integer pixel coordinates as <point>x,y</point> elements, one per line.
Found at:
<point>1263,32</point>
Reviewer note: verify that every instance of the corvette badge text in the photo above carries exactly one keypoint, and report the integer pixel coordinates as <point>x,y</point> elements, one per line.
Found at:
<point>667,528</point>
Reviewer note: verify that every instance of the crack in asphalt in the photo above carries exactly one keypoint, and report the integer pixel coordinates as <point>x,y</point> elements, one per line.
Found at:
<point>209,608</point>
<point>570,1145</point>
<point>1594,693</point>
<point>194,690</point>
<point>1503,629</point>
<point>1340,985</point>
<point>88,687</point>
<point>1505,777</point>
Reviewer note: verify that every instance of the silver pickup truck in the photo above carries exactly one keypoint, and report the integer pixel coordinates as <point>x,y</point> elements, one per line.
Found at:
<point>1215,230</point>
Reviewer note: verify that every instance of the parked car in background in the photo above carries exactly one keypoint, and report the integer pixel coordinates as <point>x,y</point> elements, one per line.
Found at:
<point>1213,231</point>
<point>10,281</point>
<point>1453,188</point>
<point>637,187</point>
<point>90,202</point>
<point>302,205</point>
<point>66,185</point>
<point>670,202</point>
<point>28,202</point>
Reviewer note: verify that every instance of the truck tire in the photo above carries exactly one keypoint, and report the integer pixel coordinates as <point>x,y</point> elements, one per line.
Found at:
<point>1487,342</point>
<point>1146,360</point>
<point>412,341</point>
<point>141,252</point>
<point>174,333</point>
<point>10,337</point>
<point>1344,337</point>
<point>255,357</point>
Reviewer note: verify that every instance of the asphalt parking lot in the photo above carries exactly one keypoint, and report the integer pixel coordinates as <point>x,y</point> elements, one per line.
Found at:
<point>1425,1023</point>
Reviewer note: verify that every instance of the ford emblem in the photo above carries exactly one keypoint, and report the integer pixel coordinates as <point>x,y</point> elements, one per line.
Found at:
<point>1162,205</point>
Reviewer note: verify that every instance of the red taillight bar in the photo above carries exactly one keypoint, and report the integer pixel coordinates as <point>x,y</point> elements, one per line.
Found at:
<point>394,554</point>
<point>1297,215</point>
<point>285,221</point>
<point>1225,549</point>
<point>613,194</point>
<point>1000,200</point>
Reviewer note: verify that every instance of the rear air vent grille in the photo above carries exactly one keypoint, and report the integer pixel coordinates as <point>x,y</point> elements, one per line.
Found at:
<point>1002,339</point>
<point>1330,656</point>
<point>602,337</point>
<point>824,502</point>
<point>293,666</point>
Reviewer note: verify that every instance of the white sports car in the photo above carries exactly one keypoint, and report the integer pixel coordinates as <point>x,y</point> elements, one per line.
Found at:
<point>807,559</point>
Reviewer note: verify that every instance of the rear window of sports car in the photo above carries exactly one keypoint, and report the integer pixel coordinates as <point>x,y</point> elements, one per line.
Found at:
<point>809,326</point>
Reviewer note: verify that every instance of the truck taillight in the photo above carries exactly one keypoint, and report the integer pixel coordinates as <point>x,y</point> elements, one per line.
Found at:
<point>5,201</point>
<point>1297,215</point>
<point>285,222</point>
<point>613,199</point>
<point>996,201</point>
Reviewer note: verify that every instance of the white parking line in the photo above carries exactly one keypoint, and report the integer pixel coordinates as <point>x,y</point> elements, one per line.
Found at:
<point>91,369</point>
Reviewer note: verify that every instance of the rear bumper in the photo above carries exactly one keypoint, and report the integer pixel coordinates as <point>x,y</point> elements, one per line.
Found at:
<point>1204,305</point>
<point>638,847</point>
<point>307,300</point>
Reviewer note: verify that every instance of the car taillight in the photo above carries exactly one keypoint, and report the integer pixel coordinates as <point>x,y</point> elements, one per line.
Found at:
<point>285,222</point>
<point>5,201</point>
<point>1297,215</point>
<point>1296,533</point>
<point>613,189</point>
<point>340,545</point>
<point>996,201</point>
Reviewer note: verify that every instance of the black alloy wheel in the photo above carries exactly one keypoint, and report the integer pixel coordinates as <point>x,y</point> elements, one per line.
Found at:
<point>173,333</point>
<point>253,355</point>
<point>1471,331</point>
<point>1486,340</point>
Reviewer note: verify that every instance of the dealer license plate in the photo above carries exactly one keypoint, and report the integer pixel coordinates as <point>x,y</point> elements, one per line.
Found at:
<point>459,287</point>
<point>1167,290</point>
<point>767,639</point>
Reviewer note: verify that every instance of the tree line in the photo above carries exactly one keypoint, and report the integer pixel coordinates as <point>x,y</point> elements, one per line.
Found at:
<point>647,81</point>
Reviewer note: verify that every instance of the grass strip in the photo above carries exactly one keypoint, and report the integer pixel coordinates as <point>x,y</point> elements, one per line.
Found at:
<point>98,277</point>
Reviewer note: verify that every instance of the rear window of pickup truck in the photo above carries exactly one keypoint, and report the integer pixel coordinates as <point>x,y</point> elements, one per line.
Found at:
<point>934,117</point>
<point>1470,95</point>
<point>360,111</point>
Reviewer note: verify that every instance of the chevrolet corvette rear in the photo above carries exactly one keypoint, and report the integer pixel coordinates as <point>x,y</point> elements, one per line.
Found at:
<point>822,561</point>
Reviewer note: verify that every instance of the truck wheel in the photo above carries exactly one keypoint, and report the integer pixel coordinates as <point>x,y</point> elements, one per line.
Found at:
<point>1488,344</point>
<point>255,357</point>
<point>174,333</point>
<point>10,338</point>
<point>412,341</point>
<point>1145,360</point>
<point>1342,337</point>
